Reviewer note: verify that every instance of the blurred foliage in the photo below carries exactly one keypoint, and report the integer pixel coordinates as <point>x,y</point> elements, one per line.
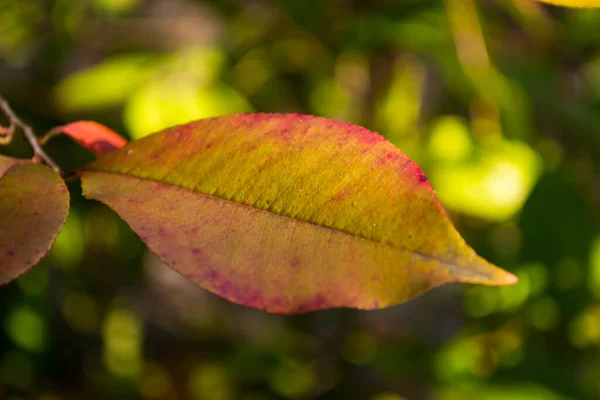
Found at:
<point>499,101</point>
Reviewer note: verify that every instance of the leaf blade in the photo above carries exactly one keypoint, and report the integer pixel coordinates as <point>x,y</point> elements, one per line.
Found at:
<point>34,203</point>
<point>301,214</point>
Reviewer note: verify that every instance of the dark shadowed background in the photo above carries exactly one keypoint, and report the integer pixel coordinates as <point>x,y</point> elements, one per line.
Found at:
<point>497,100</point>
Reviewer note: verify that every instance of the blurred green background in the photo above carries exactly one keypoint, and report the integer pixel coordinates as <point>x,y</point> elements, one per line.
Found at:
<point>497,100</point>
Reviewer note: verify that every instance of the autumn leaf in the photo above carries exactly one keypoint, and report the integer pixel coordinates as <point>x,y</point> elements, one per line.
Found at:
<point>34,203</point>
<point>573,3</point>
<point>93,136</point>
<point>287,213</point>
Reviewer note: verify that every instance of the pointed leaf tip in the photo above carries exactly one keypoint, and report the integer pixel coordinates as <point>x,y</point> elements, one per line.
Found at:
<point>510,279</point>
<point>497,277</point>
<point>481,272</point>
<point>287,213</point>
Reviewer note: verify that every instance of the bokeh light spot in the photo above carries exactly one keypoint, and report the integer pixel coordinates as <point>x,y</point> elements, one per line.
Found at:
<point>69,246</point>
<point>359,348</point>
<point>450,140</point>
<point>292,379</point>
<point>26,328</point>
<point>584,329</point>
<point>594,274</point>
<point>493,185</point>
<point>116,7</point>
<point>123,335</point>
<point>210,382</point>
<point>387,396</point>
<point>544,314</point>
<point>481,301</point>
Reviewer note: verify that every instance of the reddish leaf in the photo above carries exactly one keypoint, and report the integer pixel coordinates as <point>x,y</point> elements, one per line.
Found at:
<point>93,136</point>
<point>287,213</point>
<point>34,203</point>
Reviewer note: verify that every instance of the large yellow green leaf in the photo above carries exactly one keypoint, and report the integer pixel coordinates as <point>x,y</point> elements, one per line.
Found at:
<point>287,213</point>
<point>34,203</point>
<point>573,3</point>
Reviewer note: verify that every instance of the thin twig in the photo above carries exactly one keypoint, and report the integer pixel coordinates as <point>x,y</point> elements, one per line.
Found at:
<point>15,122</point>
<point>42,140</point>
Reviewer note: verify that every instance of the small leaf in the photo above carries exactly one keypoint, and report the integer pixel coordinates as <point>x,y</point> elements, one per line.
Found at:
<point>573,3</point>
<point>287,213</point>
<point>34,203</point>
<point>93,136</point>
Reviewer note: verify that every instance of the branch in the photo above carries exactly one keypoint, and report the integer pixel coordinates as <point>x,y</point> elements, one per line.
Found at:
<point>15,122</point>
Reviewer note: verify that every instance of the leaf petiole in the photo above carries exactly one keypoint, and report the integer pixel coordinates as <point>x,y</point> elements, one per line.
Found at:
<point>15,122</point>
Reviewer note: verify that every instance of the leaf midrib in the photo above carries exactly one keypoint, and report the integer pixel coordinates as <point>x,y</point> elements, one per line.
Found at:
<point>424,257</point>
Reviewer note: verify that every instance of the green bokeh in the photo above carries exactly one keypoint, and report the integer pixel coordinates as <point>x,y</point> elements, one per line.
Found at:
<point>498,101</point>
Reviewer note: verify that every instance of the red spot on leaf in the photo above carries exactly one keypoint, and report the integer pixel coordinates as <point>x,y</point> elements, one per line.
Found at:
<point>278,302</point>
<point>343,194</point>
<point>286,134</point>
<point>389,158</point>
<point>317,303</point>
<point>295,262</point>
<point>252,298</point>
<point>10,253</point>
<point>211,276</point>
<point>367,137</point>
<point>225,288</point>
